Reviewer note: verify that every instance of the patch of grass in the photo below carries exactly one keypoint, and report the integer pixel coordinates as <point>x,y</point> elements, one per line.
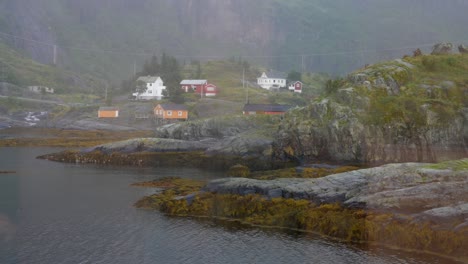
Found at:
<point>304,173</point>
<point>21,71</point>
<point>456,165</point>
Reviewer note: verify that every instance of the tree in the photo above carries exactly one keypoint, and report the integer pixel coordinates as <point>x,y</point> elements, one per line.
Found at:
<point>151,67</point>
<point>198,73</point>
<point>171,75</point>
<point>198,70</point>
<point>141,87</point>
<point>294,76</point>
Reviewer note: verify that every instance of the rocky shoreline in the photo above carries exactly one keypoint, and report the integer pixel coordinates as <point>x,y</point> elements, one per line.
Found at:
<point>207,154</point>
<point>415,206</point>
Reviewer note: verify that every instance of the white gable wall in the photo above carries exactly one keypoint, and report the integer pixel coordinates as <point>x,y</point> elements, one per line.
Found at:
<point>154,90</point>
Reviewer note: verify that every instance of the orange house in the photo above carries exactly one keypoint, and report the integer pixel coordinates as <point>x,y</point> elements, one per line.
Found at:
<point>108,112</point>
<point>171,111</point>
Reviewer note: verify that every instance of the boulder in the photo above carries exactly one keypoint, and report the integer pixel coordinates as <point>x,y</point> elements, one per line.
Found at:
<point>442,48</point>
<point>463,49</point>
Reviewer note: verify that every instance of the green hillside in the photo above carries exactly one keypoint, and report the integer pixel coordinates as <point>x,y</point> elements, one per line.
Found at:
<point>21,71</point>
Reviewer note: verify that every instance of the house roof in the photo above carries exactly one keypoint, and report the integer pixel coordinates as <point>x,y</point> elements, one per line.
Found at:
<point>193,82</point>
<point>275,75</point>
<point>294,82</point>
<point>266,107</point>
<point>148,79</point>
<point>174,107</point>
<point>108,108</point>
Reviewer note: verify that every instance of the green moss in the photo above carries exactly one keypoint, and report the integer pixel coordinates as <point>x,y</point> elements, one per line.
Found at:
<point>304,173</point>
<point>456,165</point>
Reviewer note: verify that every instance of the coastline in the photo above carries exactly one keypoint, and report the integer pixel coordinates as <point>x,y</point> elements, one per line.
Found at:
<point>392,227</point>
<point>377,213</point>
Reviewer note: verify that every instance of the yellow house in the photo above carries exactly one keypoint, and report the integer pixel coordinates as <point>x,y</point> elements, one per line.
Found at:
<point>108,112</point>
<point>171,111</point>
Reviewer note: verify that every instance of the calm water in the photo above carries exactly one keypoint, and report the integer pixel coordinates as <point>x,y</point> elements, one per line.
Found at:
<point>61,213</point>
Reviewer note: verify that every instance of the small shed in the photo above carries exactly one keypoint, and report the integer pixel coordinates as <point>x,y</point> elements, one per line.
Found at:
<point>296,86</point>
<point>265,109</point>
<point>171,111</point>
<point>211,90</point>
<point>108,112</point>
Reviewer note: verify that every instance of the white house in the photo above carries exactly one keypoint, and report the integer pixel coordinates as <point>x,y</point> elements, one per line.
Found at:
<point>272,80</point>
<point>40,89</point>
<point>154,88</point>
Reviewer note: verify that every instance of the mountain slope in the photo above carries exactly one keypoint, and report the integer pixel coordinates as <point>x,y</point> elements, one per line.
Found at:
<point>106,37</point>
<point>22,71</point>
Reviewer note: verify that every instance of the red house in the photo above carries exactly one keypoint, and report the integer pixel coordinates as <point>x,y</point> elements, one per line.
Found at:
<point>296,86</point>
<point>200,87</point>
<point>193,85</point>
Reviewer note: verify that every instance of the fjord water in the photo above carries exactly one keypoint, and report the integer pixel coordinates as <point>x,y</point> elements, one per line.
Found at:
<point>61,213</point>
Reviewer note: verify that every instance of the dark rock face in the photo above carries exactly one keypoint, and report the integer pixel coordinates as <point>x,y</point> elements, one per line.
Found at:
<point>442,48</point>
<point>344,128</point>
<point>211,128</point>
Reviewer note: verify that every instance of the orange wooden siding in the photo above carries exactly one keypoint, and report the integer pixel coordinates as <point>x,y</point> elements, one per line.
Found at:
<point>160,112</point>
<point>108,114</point>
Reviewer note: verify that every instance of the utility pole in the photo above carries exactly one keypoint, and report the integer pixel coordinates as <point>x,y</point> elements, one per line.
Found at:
<point>134,68</point>
<point>2,72</point>
<point>55,54</point>
<point>302,57</point>
<point>105,96</point>
<point>244,87</point>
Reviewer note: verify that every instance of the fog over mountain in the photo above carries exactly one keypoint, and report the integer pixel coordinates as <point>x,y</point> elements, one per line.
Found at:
<point>106,37</point>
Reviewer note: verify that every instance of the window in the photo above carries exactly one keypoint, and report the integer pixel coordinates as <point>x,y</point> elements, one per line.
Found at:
<point>180,113</point>
<point>150,91</point>
<point>169,113</point>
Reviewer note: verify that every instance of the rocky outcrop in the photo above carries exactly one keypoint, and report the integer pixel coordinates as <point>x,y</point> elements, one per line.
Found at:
<point>150,145</point>
<point>209,128</point>
<point>463,49</point>
<point>411,189</point>
<point>442,48</point>
<point>380,115</point>
<point>391,76</point>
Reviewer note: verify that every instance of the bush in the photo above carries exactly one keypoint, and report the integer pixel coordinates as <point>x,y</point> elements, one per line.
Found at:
<point>429,63</point>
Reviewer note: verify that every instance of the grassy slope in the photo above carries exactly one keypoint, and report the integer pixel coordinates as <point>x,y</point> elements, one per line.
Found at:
<point>227,75</point>
<point>22,71</point>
